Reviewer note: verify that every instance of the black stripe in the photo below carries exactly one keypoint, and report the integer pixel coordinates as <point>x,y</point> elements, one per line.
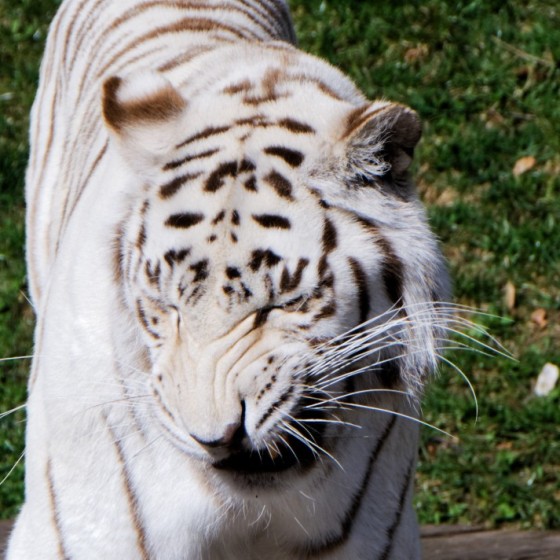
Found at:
<point>363,292</point>
<point>206,26</point>
<point>325,312</point>
<point>183,58</point>
<point>219,217</point>
<point>153,272</point>
<point>330,236</point>
<point>267,256</point>
<point>275,406</point>
<point>233,272</point>
<point>289,282</point>
<point>263,15</point>
<point>173,256</point>
<point>393,272</point>
<point>216,179</point>
<point>246,166</point>
<point>118,254</point>
<point>296,126</point>
<point>132,497</point>
<point>389,373</point>
<point>178,162</point>
<point>144,320</point>
<point>393,269</point>
<point>233,89</point>
<point>292,157</point>
<point>184,220</point>
<point>334,541</point>
<point>141,239</point>
<point>385,555</point>
<point>206,133</point>
<point>251,184</point>
<point>173,186</point>
<point>261,316</point>
<point>280,184</point>
<point>272,221</point>
<point>200,270</point>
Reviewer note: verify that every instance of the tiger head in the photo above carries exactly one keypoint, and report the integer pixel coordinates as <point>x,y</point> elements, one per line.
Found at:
<point>275,257</point>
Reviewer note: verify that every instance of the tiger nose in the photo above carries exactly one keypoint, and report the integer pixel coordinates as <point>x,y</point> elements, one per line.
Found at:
<point>231,437</point>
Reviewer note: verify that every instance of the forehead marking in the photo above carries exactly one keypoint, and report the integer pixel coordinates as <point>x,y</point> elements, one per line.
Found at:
<point>216,179</point>
<point>203,134</point>
<point>260,256</point>
<point>292,157</point>
<point>219,217</point>
<point>228,169</point>
<point>274,221</point>
<point>251,184</point>
<point>184,220</point>
<point>280,184</point>
<point>173,186</point>
<point>178,162</point>
<point>232,272</point>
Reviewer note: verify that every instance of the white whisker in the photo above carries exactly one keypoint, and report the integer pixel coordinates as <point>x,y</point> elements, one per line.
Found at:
<point>149,444</point>
<point>314,447</point>
<point>467,381</point>
<point>8,412</point>
<point>401,415</point>
<point>13,468</point>
<point>15,358</point>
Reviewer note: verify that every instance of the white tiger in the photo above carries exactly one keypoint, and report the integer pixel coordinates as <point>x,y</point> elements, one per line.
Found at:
<point>236,293</point>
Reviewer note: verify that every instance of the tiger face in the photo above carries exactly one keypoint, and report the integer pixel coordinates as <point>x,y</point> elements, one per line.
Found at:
<point>276,260</point>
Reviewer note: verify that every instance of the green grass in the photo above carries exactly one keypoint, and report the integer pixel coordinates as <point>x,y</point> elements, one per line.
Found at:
<point>23,27</point>
<point>485,77</point>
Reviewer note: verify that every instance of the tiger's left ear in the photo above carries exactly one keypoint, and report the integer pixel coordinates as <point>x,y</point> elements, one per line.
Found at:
<point>144,115</point>
<point>381,138</point>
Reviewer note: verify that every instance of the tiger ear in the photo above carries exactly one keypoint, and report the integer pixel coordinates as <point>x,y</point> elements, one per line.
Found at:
<point>144,115</point>
<point>381,140</point>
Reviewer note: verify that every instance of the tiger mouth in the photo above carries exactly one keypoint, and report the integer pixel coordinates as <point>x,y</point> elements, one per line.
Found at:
<point>289,453</point>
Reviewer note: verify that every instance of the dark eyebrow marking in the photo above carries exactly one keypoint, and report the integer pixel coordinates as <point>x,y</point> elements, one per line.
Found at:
<point>272,221</point>
<point>178,162</point>
<point>184,220</point>
<point>292,157</point>
<point>206,133</point>
<point>171,188</point>
<point>296,126</point>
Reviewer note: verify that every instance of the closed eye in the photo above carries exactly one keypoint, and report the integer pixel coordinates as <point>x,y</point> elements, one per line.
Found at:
<point>290,305</point>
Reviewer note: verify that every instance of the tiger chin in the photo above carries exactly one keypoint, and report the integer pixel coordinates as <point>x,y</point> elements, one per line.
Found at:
<point>238,296</point>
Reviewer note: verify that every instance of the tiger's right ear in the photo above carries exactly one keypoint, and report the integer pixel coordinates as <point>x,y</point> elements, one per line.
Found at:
<point>144,115</point>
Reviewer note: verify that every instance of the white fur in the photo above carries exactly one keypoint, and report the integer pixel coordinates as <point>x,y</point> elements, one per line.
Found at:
<point>102,455</point>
